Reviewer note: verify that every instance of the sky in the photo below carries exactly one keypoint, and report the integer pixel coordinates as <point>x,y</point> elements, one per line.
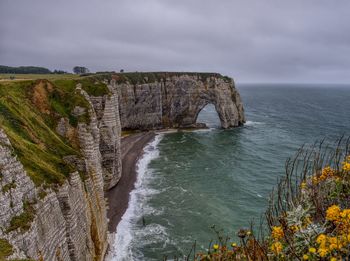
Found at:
<point>305,41</point>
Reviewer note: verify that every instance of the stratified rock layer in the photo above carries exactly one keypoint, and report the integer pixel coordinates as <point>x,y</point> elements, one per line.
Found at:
<point>70,222</point>
<point>175,102</point>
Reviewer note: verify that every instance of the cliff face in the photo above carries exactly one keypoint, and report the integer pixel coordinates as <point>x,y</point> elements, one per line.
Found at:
<point>175,100</point>
<point>60,152</point>
<point>66,221</point>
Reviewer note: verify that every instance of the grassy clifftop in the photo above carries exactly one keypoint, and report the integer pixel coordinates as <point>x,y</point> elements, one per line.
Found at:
<point>29,113</point>
<point>148,77</point>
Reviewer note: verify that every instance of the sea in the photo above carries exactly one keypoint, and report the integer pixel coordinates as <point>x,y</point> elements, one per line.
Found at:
<point>189,182</point>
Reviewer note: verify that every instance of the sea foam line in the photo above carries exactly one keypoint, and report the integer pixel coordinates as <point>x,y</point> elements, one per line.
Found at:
<point>253,123</point>
<point>121,247</point>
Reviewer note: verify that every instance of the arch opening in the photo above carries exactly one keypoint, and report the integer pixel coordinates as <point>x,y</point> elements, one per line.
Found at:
<point>209,116</point>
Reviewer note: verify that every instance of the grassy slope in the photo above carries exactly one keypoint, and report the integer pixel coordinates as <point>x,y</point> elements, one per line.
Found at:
<point>29,115</point>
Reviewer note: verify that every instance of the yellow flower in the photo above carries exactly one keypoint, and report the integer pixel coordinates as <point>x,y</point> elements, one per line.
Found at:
<point>321,239</point>
<point>233,244</point>
<point>348,237</point>
<point>303,185</point>
<point>305,257</point>
<point>322,252</point>
<point>333,213</point>
<point>216,246</point>
<point>345,213</point>
<point>312,250</point>
<point>277,232</point>
<point>326,173</point>
<point>346,166</point>
<point>333,240</point>
<point>333,259</point>
<point>249,233</point>
<point>277,247</point>
<point>294,228</point>
<point>332,247</point>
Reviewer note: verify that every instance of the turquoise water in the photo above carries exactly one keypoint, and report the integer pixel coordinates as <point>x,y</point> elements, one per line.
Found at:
<point>189,181</point>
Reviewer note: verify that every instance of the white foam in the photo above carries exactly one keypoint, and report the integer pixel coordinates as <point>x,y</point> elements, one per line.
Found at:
<point>253,123</point>
<point>205,130</point>
<point>121,248</point>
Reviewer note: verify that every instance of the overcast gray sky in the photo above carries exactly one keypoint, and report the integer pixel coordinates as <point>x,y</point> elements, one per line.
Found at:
<point>250,40</point>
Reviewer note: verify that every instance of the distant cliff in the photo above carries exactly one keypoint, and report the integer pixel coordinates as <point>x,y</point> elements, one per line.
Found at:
<point>173,100</point>
<point>60,151</point>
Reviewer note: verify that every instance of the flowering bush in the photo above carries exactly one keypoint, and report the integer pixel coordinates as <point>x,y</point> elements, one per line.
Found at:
<point>308,216</point>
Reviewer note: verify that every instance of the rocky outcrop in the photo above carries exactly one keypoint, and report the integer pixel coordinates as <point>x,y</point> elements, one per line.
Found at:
<point>107,113</point>
<point>176,100</point>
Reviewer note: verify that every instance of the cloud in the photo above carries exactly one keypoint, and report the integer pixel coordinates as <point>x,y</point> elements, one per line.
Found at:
<point>252,41</point>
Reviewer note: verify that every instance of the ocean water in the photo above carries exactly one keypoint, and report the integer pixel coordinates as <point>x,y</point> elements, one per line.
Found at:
<point>190,181</point>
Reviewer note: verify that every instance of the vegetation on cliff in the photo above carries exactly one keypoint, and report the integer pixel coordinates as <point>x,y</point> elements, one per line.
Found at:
<point>5,249</point>
<point>149,77</point>
<point>308,217</point>
<point>29,114</point>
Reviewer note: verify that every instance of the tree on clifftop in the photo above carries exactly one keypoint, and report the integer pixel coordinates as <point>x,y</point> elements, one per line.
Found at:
<point>80,70</point>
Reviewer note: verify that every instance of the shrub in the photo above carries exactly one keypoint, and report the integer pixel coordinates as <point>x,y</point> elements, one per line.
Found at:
<point>308,217</point>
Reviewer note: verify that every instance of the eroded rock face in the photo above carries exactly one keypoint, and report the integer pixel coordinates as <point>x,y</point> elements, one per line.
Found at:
<point>107,114</point>
<point>176,102</point>
<point>70,222</point>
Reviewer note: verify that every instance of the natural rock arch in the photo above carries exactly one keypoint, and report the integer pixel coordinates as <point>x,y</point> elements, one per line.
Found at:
<point>175,102</point>
<point>208,116</point>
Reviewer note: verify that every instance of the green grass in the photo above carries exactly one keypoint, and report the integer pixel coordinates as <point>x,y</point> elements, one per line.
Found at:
<point>149,77</point>
<point>18,77</point>
<point>32,133</point>
<point>5,249</point>
<point>31,129</point>
<point>24,220</point>
<point>93,86</point>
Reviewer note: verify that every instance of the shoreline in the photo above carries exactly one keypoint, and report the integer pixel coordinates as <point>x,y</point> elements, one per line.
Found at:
<point>118,197</point>
<point>132,146</point>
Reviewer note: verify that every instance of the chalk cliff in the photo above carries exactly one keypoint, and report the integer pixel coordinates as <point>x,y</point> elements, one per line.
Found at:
<point>173,100</point>
<point>65,221</point>
<point>60,151</point>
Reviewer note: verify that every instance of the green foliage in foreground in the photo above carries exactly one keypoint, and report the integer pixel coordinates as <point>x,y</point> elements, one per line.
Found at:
<point>308,217</point>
